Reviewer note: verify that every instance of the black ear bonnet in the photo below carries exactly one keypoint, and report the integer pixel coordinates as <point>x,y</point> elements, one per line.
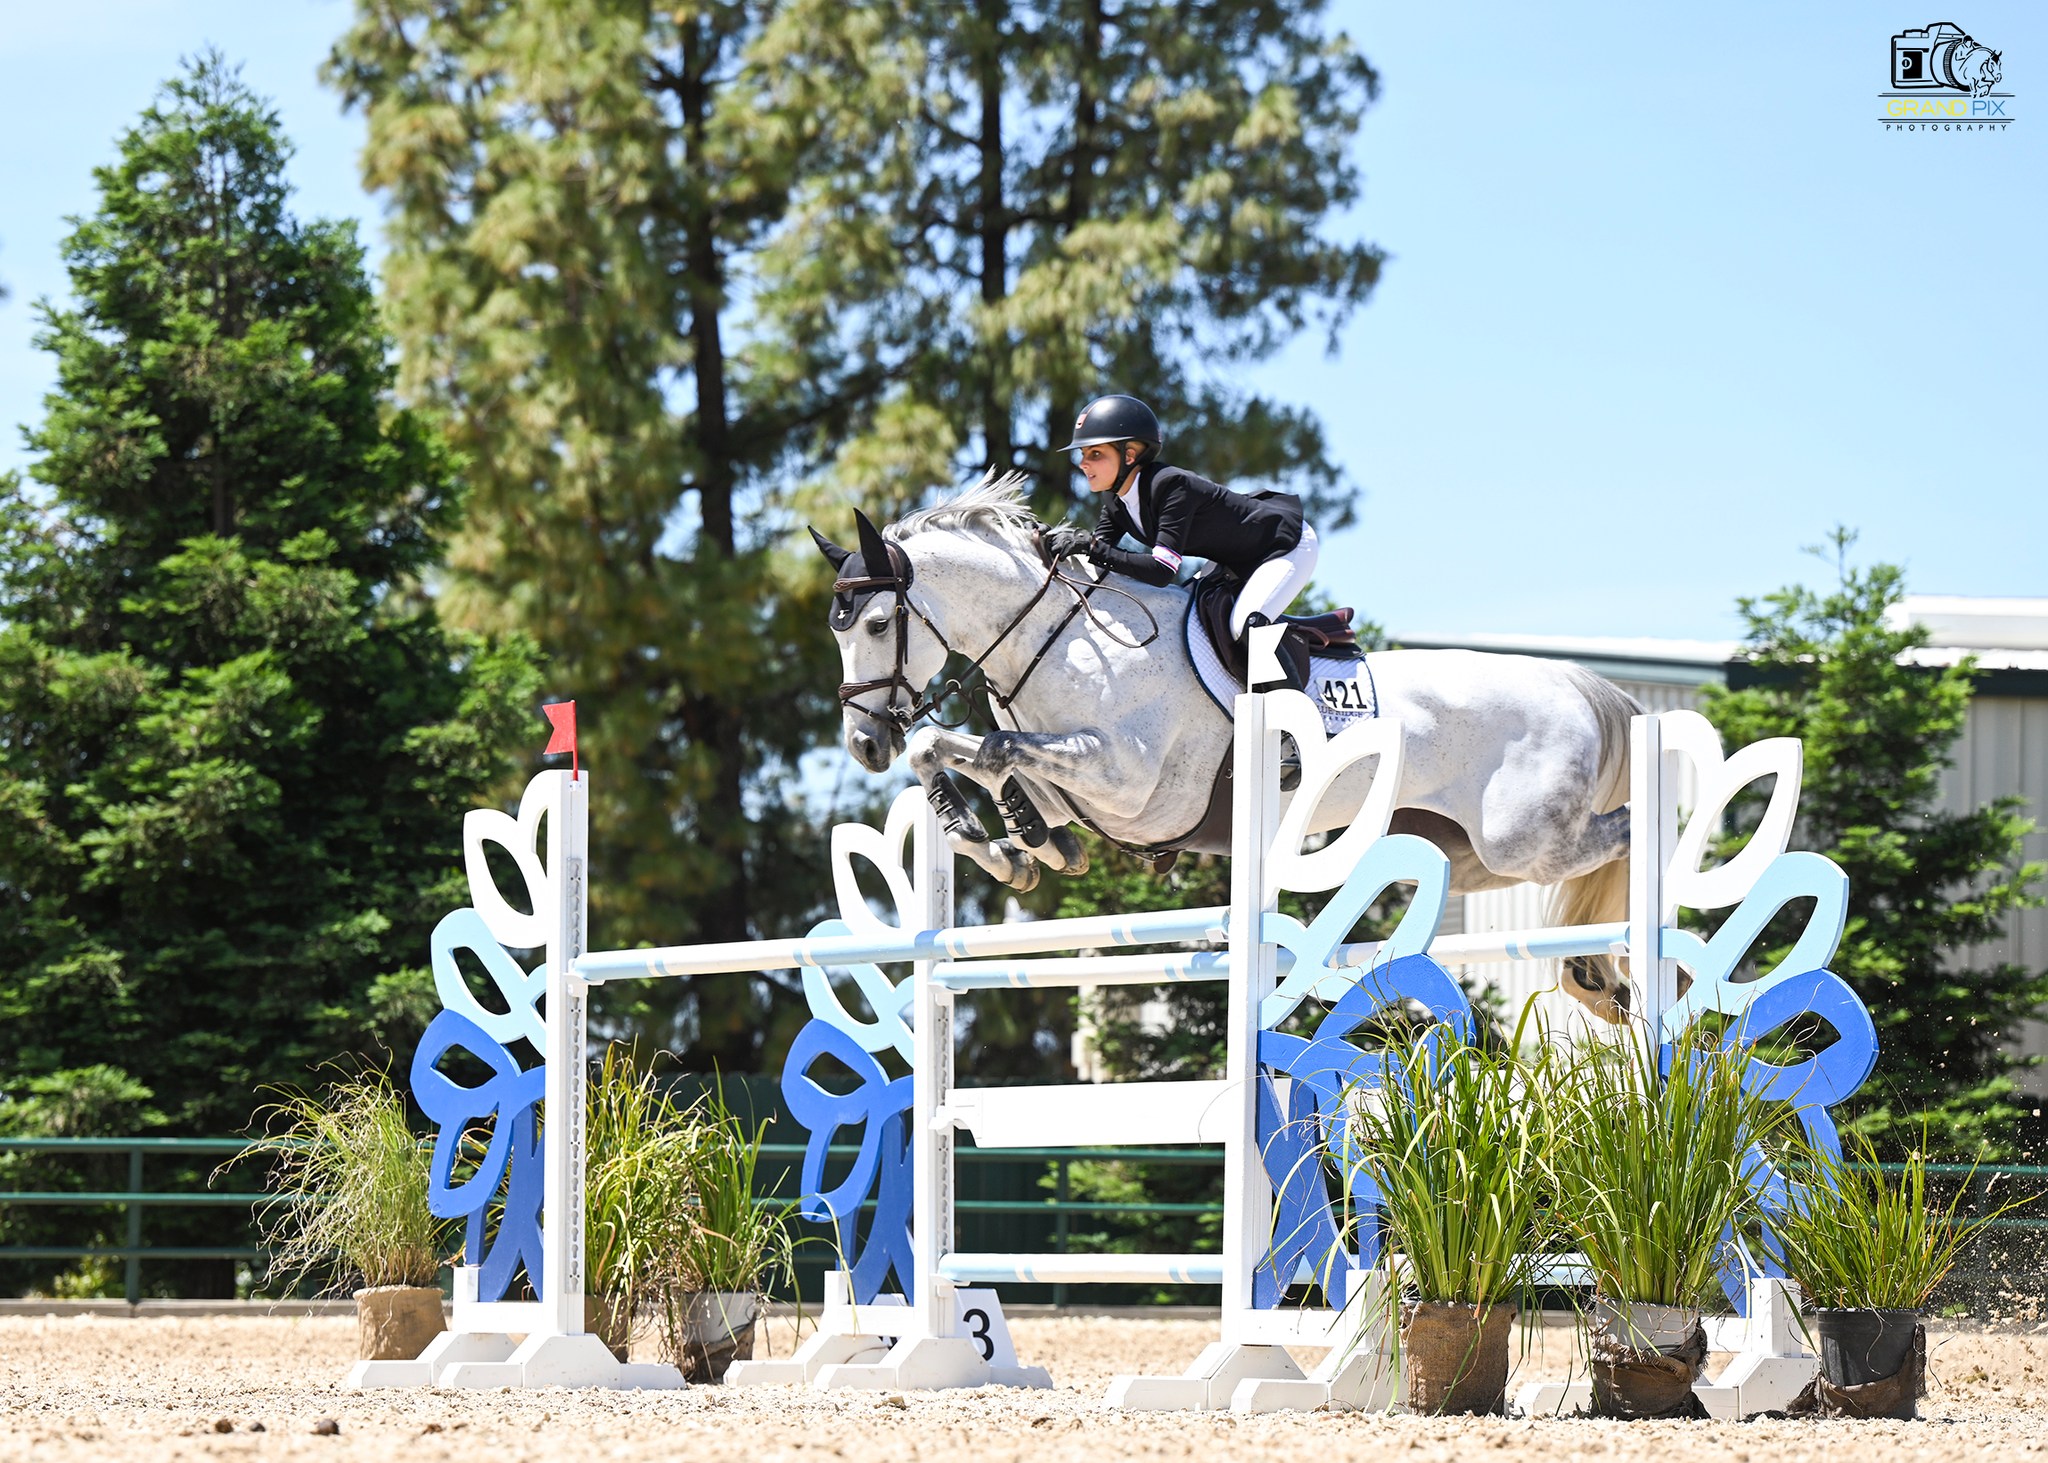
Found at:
<point>856,580</point>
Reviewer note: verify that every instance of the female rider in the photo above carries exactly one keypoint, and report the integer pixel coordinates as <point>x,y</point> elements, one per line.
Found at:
<point>1258,537</point>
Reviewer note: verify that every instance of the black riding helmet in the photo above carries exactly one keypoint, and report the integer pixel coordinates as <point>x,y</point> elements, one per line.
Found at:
<point>1117,419</point>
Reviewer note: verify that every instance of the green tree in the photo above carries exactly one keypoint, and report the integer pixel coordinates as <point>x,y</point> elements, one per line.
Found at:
<point>235,743</point>
<point>1048,201</point>
<point>681,274</point>
<point>578,189</point>
<point>1831,668</point>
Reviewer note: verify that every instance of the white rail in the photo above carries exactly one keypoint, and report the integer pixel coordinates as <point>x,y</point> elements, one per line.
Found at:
<point>985,1269</point>
<point>1173,967</point>
<point>965,942</point>
<point>1164,967</point>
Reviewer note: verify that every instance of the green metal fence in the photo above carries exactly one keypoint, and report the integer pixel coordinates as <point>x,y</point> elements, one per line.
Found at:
<point>1002,1190</point>
<point>135,1201</point>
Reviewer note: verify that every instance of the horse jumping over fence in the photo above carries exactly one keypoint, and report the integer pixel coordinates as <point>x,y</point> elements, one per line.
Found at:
<point>1516,767</point>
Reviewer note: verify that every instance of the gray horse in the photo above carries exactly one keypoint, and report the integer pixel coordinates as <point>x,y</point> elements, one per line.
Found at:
<point>1517,768</point>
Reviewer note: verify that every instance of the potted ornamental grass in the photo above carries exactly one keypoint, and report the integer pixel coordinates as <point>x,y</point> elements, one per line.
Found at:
<point>1868,1248</point>
<point>638,1197</point>
<point>1455,1141</point>
<point>348,1198</point>
<point>738,1242</point>
<point>1648,1173</point>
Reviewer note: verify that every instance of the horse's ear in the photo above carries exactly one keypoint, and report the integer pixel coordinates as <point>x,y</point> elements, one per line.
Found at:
<point>830,550</point>
<point>874,552</point>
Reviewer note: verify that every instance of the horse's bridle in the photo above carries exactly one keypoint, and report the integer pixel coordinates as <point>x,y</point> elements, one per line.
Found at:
<point>897,582</point>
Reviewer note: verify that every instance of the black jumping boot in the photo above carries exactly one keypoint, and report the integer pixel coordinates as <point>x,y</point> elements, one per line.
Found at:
<point>1290,756</point>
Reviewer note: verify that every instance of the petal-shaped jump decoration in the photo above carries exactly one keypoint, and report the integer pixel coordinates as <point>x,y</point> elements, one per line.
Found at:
<point>1304,1226</point>
<point>515,1244</point>
<point>1713,962</point>
<point>823,1113</point>
<point>465,929</point>
<point>881,1107</point>
<point>1720,779</point>
<point>1398,858</point>
<point>454,1107</point>
<point>890,1001</point>
<point>885,1248</point>
<point>520,838</point>
<point>1323,761</point>
<point>1811,1086</point>
<point>887,849</point>
<point>1328,1072</point>
<point>1818,1082</point>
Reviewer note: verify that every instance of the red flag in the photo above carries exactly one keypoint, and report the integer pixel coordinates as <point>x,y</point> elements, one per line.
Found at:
<point>561,717</point>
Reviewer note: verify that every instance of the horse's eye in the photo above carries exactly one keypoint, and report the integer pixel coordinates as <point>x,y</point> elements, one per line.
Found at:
<point>879,625</point>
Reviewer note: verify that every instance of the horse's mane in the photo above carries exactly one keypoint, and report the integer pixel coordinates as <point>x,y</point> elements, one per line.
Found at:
<point>996,507</point>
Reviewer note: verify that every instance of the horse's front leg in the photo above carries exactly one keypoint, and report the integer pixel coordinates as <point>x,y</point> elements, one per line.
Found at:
<point>932,752</point>
<point>1078,763</point>
<point>1078,766</point>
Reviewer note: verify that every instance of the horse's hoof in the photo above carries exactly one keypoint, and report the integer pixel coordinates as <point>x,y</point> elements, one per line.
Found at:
<point>1023,870</point>
<point>1605,998</point>
<point>1073,858</point>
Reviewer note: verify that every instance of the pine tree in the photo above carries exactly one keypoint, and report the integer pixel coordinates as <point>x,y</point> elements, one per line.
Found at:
<point>235,744</point>
<point>680,275</point>
<point>1048,202</point>
<point>577,190</point>
<point>1830,668</point>
<point>1059,200</point>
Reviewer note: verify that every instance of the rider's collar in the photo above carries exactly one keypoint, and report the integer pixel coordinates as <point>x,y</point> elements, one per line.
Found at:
<point>855,583</point>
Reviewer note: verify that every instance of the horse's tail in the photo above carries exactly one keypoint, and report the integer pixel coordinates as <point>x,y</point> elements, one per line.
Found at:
<point>1600,896</point>
<point>1613,709</point>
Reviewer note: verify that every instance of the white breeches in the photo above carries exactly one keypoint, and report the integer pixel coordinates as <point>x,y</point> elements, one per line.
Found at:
<point>1274,584</point>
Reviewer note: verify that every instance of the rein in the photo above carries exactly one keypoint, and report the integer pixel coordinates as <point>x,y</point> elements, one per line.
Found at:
<point>922,703</point>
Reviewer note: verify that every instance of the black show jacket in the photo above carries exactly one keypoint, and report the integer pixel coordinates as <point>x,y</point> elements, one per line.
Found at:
<point>1186,514</point>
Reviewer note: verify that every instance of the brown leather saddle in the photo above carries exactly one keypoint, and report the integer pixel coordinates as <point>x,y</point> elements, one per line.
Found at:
<point>1328,635</point>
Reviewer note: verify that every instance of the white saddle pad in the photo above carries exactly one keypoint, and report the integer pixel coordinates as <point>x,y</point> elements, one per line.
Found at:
<point>1342,689</point>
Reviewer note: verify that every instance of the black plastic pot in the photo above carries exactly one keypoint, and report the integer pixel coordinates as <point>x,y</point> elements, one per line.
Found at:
<point>1860,1346</point>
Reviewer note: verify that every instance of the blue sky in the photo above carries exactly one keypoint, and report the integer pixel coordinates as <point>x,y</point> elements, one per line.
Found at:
<point>1664,302</point>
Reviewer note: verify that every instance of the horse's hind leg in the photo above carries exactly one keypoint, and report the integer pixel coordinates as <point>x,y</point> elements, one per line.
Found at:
<point>1468,874</point>
<point>1586,857</point>
<point>1597,897</point>
<point>1545,844</point>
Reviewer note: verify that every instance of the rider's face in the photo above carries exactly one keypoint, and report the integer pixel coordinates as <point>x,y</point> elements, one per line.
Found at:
<point>1099,464</point>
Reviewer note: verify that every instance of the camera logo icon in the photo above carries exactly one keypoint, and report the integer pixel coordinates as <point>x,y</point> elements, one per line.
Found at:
<point>1943,58</point>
